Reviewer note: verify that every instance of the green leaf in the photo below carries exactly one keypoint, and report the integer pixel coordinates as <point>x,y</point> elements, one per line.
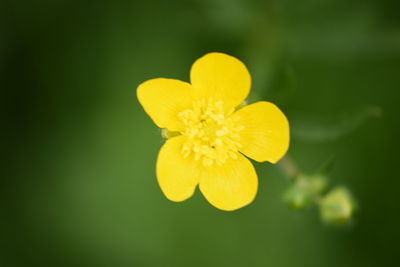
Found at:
<point>314,128</point>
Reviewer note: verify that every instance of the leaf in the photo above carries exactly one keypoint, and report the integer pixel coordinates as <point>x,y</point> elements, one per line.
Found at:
<point>314,128</point>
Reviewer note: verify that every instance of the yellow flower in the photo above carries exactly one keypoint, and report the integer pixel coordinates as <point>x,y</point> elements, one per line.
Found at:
<point>211,132</point>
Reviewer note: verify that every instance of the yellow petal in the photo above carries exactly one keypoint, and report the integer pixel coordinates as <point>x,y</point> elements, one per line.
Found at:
<point>176,175</point>
<point>163,99</point>
<point>265,136</point>
<point>222,78</point>
<point>231,185</point>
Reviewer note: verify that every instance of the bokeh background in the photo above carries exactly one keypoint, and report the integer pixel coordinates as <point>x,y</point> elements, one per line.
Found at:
<point>78,185</point>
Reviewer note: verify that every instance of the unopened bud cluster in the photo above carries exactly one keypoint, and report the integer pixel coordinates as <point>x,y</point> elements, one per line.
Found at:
<point>336,206</point>
<point>304,190</point>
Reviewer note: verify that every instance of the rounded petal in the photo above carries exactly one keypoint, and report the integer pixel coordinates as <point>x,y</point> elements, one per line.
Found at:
<point>265,136</point>
<point>222,78</point>
<point>163,99</point>
<point>231,185</point>
<point>177,176</point>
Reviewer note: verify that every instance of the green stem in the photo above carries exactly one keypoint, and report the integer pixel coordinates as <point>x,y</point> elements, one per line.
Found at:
<point>289,167</point>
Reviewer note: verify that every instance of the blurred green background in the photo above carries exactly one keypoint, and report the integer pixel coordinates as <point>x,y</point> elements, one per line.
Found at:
<point>78,185</point>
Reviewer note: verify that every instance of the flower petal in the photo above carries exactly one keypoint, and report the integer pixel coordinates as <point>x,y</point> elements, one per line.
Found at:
<point>177,176</point>
<point>265,136</point>
<point>163,99</point>
<point>231,185</point>
<point>222,78</point>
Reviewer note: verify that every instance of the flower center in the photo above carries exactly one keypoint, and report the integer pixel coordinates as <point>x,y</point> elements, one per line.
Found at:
<point>212,134</point>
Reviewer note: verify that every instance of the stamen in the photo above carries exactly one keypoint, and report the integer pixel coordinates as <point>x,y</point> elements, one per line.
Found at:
<point>212,135</point>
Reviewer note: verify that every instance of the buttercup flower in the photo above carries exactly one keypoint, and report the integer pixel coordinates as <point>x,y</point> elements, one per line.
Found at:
<point>211,132</point>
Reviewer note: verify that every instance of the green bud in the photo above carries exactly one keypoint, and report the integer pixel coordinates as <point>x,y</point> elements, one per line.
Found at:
<point>305,189</point>
<point>296,197</point>
<point>337,206</point>
<point>318,183</point>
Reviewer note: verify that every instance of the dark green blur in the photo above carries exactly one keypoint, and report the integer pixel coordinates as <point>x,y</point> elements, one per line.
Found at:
<point>78,185</point>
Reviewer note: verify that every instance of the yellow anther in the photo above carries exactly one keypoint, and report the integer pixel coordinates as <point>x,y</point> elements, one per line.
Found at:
<point>212,135</point>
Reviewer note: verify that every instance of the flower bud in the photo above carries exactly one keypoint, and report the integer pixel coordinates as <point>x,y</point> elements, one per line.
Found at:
<point>296,197</point>
<point>304,190</point>
<point>337,206</point>
<point>317,183</point>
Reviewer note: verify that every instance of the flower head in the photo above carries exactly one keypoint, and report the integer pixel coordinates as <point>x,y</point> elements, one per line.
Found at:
<point>212,133</point>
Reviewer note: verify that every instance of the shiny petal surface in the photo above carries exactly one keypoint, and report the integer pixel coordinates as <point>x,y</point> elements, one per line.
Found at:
<point>231,185</point>
<point>163,99</point>
<point>176,175</point>
<point>221,77</point>
<point>265,136</point>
